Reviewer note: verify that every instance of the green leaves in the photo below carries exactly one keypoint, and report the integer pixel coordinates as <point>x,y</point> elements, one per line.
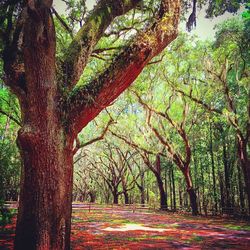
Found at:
<point>246,13</point>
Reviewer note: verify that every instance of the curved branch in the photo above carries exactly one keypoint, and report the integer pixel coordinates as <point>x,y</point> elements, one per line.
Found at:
<point>100,137</point>
<point>81,47</point>
<point>175,156</point>
<point>84,103</point>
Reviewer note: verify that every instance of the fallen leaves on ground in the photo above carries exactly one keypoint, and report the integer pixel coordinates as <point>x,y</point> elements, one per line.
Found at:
<point>122,229</point>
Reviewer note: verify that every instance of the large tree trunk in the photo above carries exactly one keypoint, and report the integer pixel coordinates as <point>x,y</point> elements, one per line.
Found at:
<point>163,198</point>
<point>49,113</point>
<point>191,192</point>
<point>46,190</point>
<point>44,216</point>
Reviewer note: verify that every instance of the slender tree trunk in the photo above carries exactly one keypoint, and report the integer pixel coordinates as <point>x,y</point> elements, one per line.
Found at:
<point>180,196</point>
<point>240,186</point>
<point>204,200</point>
<point>196,175</point>
<point>222,196</point>
<point>147,190</point>
<point>163,200</point>
<point>142,194</point>
<point>191,193</point>
<point>126,197</point>
<point>115,197</point>
<point>92,196</point>
<point>170,189</point>
<point>142,188</point>
<point>174,194</point>
<point>213,168</point>
<point>166,183</point>
<point>226,172</point>
<point>245,165</point>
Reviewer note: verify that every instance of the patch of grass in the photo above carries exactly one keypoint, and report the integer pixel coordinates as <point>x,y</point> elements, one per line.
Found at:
<point>158,237</point>
<point>121,221</point>
<point>77,219</point>
<point>130,239</point>
<point>172,225</point>
<point>170,238</point>
<point>198,238</point>
<point>237,227</point>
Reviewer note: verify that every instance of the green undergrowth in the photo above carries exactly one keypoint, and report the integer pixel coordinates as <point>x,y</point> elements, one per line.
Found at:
<point>237,227</point>
<point>6,215</point>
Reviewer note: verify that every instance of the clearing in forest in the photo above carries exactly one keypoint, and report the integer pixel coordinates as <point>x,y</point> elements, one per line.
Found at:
<point>114,228</point>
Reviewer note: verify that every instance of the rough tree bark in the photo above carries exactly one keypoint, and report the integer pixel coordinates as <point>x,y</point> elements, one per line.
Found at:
<point>163,196</point>
<point>44,216</point>
<point>191,192</point>
<point>54,110</point>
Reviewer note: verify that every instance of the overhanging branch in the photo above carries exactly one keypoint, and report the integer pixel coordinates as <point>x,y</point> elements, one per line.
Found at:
<point>86,102</point>
<point>84,42</point>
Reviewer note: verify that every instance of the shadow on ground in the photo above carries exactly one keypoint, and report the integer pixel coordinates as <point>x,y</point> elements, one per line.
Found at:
<point>123,229</point>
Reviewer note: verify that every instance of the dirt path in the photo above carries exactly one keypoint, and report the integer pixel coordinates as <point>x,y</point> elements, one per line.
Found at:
<point>120,229</point>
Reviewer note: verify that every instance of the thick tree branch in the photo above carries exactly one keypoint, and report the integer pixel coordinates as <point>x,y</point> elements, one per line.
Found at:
<point>85,102</point>
<point>13,66</point>
<point>81,47</point>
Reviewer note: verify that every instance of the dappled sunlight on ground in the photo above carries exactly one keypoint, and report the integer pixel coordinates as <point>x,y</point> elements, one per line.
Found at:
<point>123,229</point>
<point>129,227</point>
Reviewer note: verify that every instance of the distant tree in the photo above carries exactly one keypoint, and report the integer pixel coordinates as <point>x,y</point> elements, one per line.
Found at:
<point>226,73</point>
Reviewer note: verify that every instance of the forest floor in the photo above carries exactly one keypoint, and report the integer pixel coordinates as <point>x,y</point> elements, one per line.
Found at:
<point>116,228</point>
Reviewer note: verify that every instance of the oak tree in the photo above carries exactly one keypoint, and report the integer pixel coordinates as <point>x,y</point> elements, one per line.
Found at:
<point>55,107</point>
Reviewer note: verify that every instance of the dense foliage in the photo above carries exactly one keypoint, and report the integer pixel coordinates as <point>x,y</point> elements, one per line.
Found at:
<point>196,100</point>
<point>189,92</point>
